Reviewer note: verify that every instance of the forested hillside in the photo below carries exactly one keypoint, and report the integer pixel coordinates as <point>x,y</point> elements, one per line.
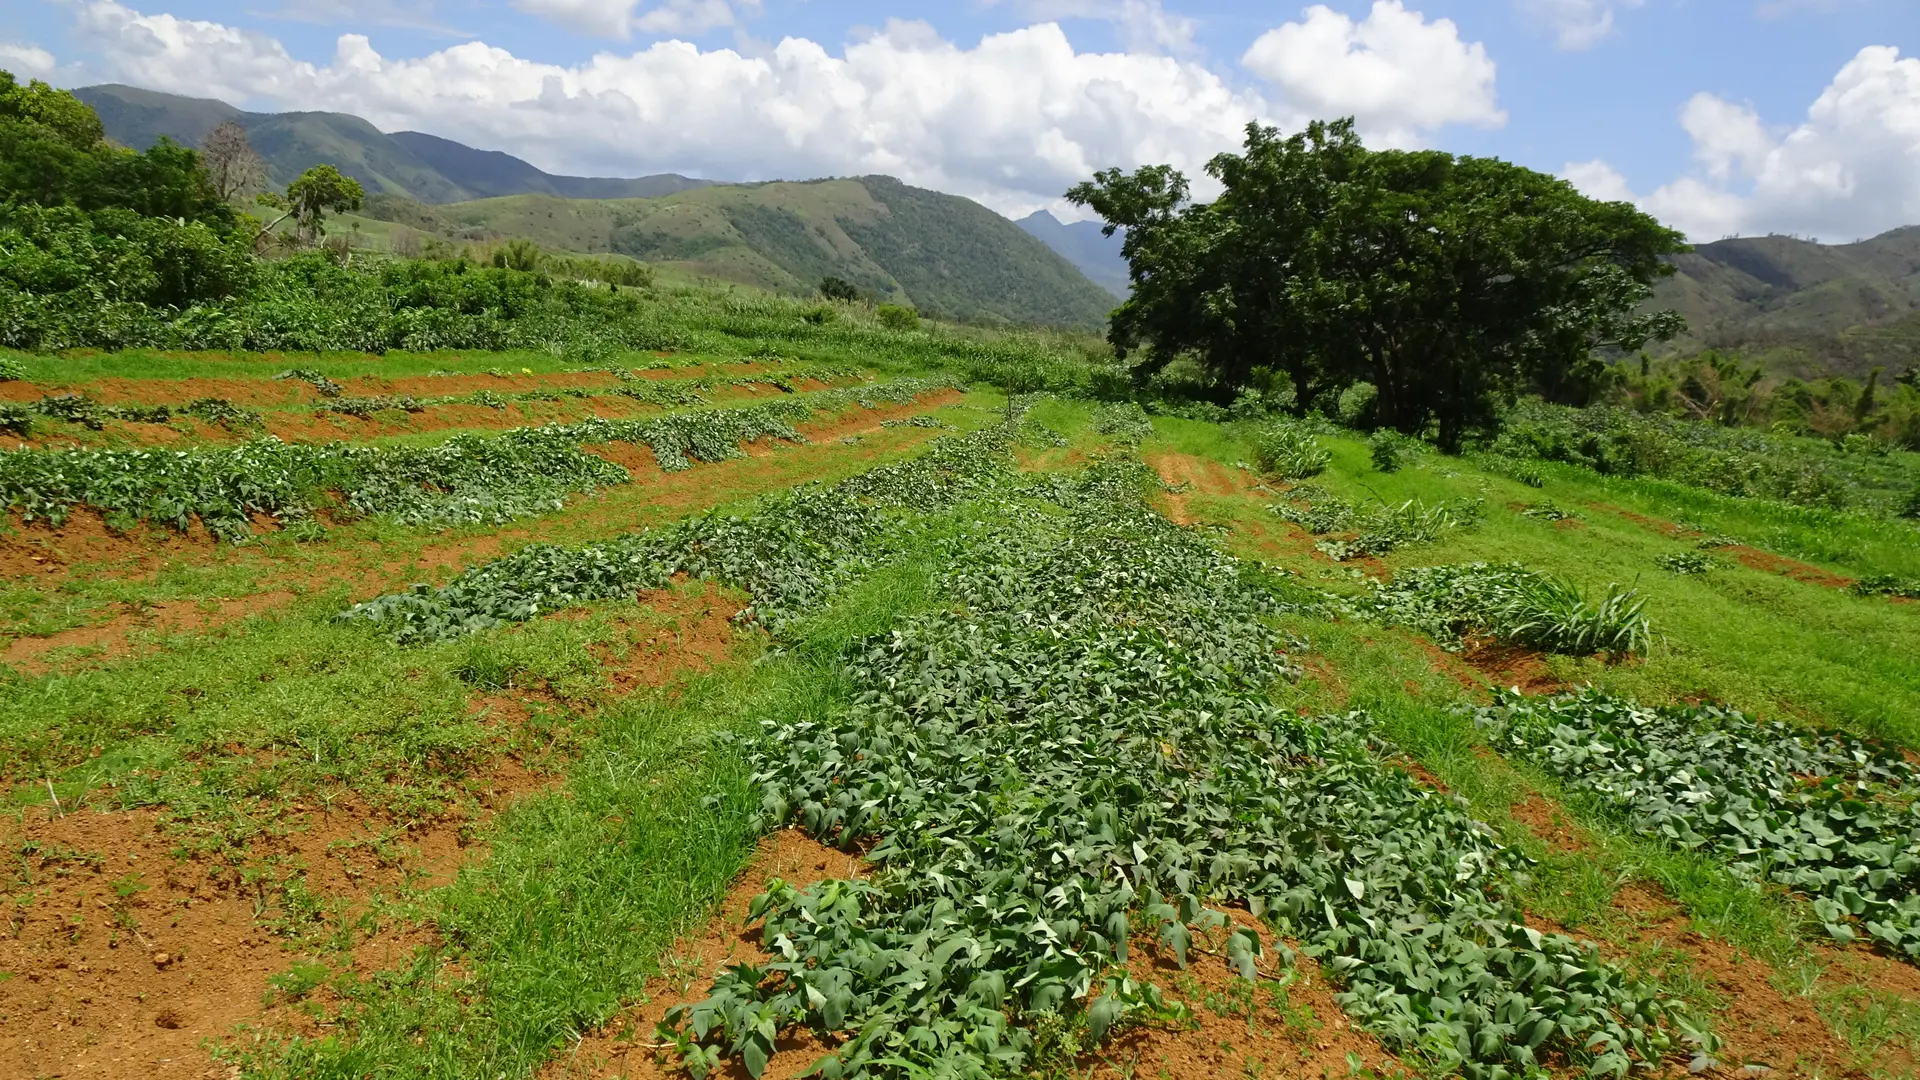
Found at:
<point>1804,308</point>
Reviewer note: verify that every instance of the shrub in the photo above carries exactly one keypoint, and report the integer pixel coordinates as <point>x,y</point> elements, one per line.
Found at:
<point>11,369</point>
<point>1385,448</point>
<point>840,289</point>
<point>897,317</point>
<point>1355,404</point>
<point>1288,450</point>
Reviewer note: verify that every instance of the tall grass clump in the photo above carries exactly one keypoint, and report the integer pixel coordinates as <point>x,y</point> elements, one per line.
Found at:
<point>1286,449</point>
<point>1515,604</point>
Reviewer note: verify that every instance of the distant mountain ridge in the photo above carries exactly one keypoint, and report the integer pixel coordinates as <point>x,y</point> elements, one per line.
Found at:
<point>422,167</point>
<point>1082,244</point>
<point>1808,309</point>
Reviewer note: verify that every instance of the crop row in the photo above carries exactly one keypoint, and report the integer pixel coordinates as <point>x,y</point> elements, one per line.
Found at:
<point>791,552</point>
<point>1828,815</point>
<point>468,478</point>
<point>1073,751</point>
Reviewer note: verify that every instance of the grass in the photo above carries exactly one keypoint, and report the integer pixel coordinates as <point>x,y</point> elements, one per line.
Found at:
<point>1756,640</point>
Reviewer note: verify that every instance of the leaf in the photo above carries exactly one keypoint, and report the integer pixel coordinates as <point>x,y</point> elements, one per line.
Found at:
<point>755,1055</point>
<point>1242,947</point>
<point>1357,889</point>
<point>1174,936</point>
<point>1102,1015</point>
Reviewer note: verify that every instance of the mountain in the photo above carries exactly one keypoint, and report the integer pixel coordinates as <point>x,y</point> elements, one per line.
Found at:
<point>947,256</point>
<point>1082,244</point>
<point>1803,308</point>
<point>422,167</point>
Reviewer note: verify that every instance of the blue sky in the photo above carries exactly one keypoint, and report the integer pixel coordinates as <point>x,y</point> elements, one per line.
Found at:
<point>1719,115</point>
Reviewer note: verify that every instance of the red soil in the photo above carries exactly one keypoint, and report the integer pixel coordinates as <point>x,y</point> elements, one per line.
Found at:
<point>140,982</point>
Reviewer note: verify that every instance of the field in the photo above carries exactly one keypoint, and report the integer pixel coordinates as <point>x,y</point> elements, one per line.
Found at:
<point>800,696</point>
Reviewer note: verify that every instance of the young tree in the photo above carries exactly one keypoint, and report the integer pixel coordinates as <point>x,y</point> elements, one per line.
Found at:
<point>318,190</point>
<point>1447,283</point>
<point>231,163</point>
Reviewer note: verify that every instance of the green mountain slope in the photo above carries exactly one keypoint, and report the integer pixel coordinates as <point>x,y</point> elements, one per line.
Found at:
<point>1807,309</point>
<point>422,167</point>
<point>950,257</point>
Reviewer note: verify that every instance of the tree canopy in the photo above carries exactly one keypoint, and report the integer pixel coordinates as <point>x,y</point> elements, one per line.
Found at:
<point>1448,283</point>
<point>53,153</point>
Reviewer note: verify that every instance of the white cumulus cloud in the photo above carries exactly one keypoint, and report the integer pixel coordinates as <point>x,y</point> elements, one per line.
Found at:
<point>26,61</point>
<point>1011,121</point>
<point>1396,73</point>
<point>1598,180</point>
<point>1850,169</point>
<point>1142,25</point>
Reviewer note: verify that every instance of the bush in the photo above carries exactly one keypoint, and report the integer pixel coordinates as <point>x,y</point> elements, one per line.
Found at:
<point>1289,451</point>
<point>1354,407</point>
<point>11,369</point>
<point>897,317</point>
<point>1385,449</point>
<point>839,289</point>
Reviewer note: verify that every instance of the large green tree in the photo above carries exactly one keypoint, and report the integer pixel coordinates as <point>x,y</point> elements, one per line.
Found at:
<point>1449,283</point>
<point>53,152</point>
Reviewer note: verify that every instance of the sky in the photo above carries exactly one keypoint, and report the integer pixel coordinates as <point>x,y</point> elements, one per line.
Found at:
<point>1720,117</point>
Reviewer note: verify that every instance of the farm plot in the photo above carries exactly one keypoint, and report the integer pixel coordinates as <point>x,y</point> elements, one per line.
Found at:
<point>1071,755</point>
<point>1084,755</point>
<point>470,478</point>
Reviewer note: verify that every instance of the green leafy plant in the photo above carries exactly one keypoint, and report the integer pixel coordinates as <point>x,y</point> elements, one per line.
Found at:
<point>897,317</point>
<point>1384,447</point>
<point>1547,511</point>
<point>1887,585</point>
<point>1092,779</point>
<point>1687,562</point>
<point>11,369</point>
<point>1821,812</point>
<point>327,387</point>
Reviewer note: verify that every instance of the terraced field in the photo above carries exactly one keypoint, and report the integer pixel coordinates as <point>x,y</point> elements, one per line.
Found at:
<point>754,710</point>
